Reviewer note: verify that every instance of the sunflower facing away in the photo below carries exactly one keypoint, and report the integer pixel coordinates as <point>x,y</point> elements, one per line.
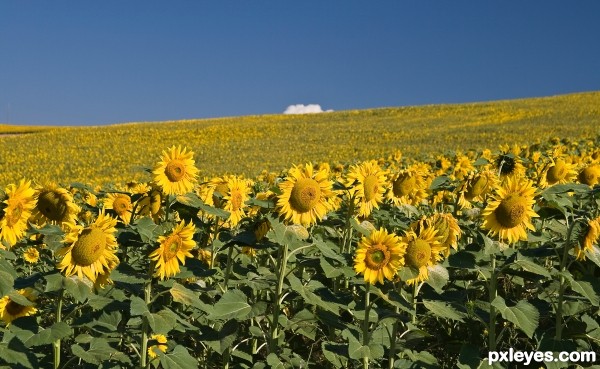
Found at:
<point>173,249</point>
<point>475,188</point>
<point>11,310</point>
<point>379,256</point>
<point>121,204</point>
<point>423,250</point>
<point>590,175</point>
<point>448,231</point>
<point>509,213</point>
<point>13,218</point>
<point>305,195</point>
<point>91,250</point>
<point>368,184</point>
<point>557,171</point>
<point>54,205</point>
<point>176,172</point>
<point>590,237</point>
<point>155,343</point>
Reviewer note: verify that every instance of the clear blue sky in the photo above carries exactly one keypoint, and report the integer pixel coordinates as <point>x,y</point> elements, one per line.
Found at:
<point>100,62</point>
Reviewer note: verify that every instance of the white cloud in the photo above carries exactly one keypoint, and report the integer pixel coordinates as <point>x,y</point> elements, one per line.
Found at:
<point>305,109</point>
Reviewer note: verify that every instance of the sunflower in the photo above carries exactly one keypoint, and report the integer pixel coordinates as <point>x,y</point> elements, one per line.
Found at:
<point>423,250</point>
<point>379,255</point>
<point>590,237</point>
<point>150,203</point>
<point>557,171</point>
<point>205,256</point>
<point>509,213</point>
<point>11,310</point>
<point>463,166</point>
<point>176,172</point>
<point>448,231</point>
<point>476,187</point>
<point>13,218</point>
<point>121,204</point>
<point>305,195</point>
<point>408,187</point>
<point>509,165</point>
<point>173,249</point>
<point>31,255</point>
<point>54,205</point>
<point>368,184</point>
<point>156,342</point>
<point>590,175</point>
<point>91,250</point>
<point>234,199</point>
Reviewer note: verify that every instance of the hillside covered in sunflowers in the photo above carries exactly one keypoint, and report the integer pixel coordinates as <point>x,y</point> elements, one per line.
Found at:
<point>426,260</point>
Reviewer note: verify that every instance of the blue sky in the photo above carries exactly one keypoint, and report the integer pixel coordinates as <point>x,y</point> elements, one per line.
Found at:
<point>87,63</point>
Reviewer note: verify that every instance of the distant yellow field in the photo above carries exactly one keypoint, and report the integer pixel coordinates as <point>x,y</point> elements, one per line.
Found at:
<point>249,144</point>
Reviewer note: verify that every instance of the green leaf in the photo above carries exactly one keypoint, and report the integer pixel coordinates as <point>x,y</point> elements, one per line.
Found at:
<point>57,331</point>
<point>438,277</point>
<point>593,254</point>
<point>138,306</point>
<point>335,353</point>
<point>444,310</point>
<point>584,288</point>
<point>180,358</point>
<point>99,352</point>
<point>183,295</point>
<point>232,305</point>
<point>6,283</point>
<point>161,322</point>
<point>219,213</point>
<point>274,361</point>
<point>356,350</point>
<point>54,282</point>
<point>146,227</point>
<point>78,288</point>
<point>15,352</point>
<point>532,267</point>
<point>523,315</point>
<point>359,228</point>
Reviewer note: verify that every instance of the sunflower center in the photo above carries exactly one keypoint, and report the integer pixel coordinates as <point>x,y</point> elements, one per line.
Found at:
<point>173,244</point>
<point>371,187</point>
<point>121,204</point>
<point>89,247</point>
<point>511,211</point>
<point>507,164</point>
<point>477,187</point>
<point>418,253</point>
<point>52,206</point>
<point>13,214</point>
<point>589,175</point>
<point>305,194</point>
<point>12,308</point>
<point>236,201</point>
<point>175,170</point>
<point>556,173</point>
<point>377,257</point>
<point>404,186</point>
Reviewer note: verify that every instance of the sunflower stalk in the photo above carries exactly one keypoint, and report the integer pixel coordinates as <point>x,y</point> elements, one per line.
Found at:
<point>562,284</point>
<point>492,295</point>
<point>228,268</point>
<point>392,353</point>
<point>145,326</point>
<point>365,327</point>
<point>281,269</point>
<point>56,343</point>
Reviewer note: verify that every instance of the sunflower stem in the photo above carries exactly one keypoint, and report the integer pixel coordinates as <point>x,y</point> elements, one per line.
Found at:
<point>281,267</point>
<point>392,353</point>
<point>415,293</point>
<point>562,284</point>
<point>365,328</point>
<point>56,343</point>
<point>492,296</point>
<point>145,326</point>
<point>228,268</point>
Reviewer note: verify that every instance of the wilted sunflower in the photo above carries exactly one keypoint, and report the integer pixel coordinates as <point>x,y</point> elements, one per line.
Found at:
<point>121,204</point>
<point>509,213</point>
<point>234,199</point>
<point>91,250</point>
<point>31,255</point>
<point>476,187</point>
<point>590,237</point>
<point>176,172</point>
<point>11,310</point>
<point>423,250</point>
<point>54,205</point>
<point>557,172</point>
<point>379,255</point>
<point>173,249</point>
<point>13,218</point>
<point>509,165</point>
<point>408,187</point>
<point>368,184</point>
<point>156,342</point>
<point>150,204</point>
<point>304,195</point>
<point>590,175</point>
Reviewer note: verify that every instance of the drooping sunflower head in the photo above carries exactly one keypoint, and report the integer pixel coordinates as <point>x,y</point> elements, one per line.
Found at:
<point>590,175</point>
<point>423,250</point>
<point>368,184</point>
<point>176,172</point>
<point>508,215</point>
<point>305,195</point>
<point>150,204</point>
<point>173,249</point>
<point>13,217</point>
<point>379,256</point>
<point>121,204</point>
<point>90,250</point>
<point>509,165</point>
<point>558,171</point>
<point>157,342</point>
<point>11,310</point>
<point>448,231</point>
<point>409,187</point>
<point>54,205</point>
<point>590,238</point>
<point>476,187</point>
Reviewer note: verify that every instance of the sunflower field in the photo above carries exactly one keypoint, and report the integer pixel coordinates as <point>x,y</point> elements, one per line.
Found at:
<point>388,263</point>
